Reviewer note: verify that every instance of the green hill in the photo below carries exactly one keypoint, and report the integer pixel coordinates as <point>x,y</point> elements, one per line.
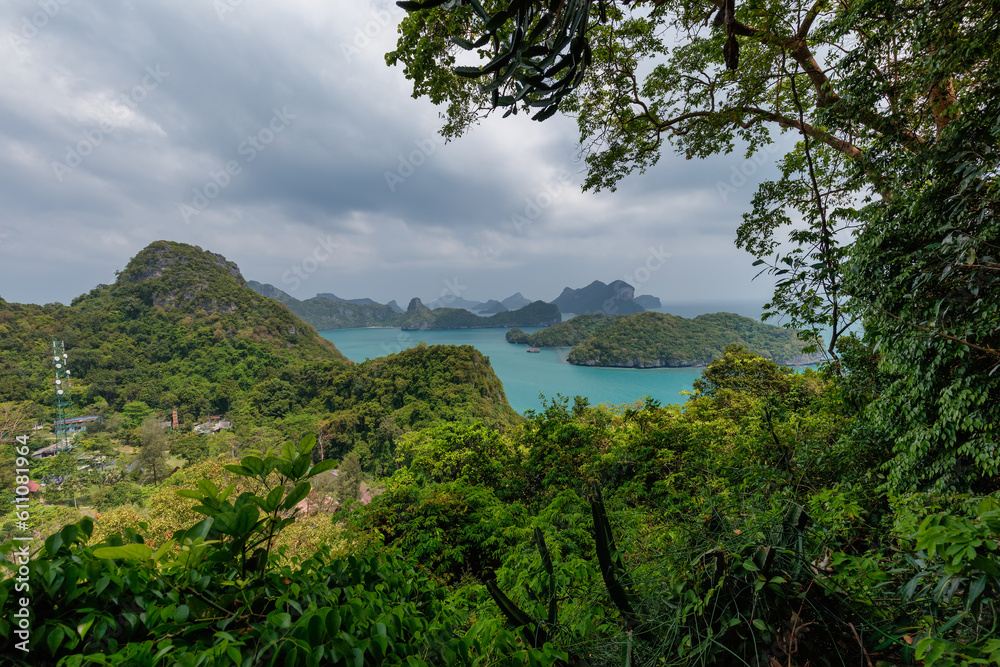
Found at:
<point>653,340</point>
<point>535,314</point>
<point>324,313</point>
<point>179,328</point>
<point>564,334</point>
<point>618,297</point>
<point>373,402</point>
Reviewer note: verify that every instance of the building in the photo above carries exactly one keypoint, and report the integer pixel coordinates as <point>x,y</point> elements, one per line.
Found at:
<point>76,424</point>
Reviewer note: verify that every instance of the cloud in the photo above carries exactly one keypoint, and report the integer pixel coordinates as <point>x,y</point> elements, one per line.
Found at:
<point>265,129</point>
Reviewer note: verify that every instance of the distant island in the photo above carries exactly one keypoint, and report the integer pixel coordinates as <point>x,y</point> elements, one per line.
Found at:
<point>329,311</point>
<point>660,340</point>
<point>617,298</point>
<point>535,314</point>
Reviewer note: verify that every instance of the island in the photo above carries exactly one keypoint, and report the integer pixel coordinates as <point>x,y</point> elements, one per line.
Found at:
<point>661,340</point>
<point>535,314</point>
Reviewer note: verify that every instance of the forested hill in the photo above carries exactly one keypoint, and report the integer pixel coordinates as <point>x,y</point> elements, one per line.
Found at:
<point>325,313</point>
<point>179,328</point>
<point>653,340</point>
<point>564,334</point>
<point>535,314</point>
<point>372,403</point>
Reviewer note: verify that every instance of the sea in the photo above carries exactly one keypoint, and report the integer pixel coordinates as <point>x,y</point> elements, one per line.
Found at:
<point>528,377</point>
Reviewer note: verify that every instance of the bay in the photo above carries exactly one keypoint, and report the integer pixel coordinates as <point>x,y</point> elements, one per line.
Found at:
<point>526,375</point>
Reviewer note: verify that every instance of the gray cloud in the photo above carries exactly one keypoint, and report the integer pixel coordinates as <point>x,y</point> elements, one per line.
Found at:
<point>169,100</point>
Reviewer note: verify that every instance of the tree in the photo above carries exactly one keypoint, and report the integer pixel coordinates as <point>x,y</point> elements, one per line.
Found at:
<point>348,484</point>
<point>134,413</point>
<point>64,476</point>
<point>193,448</point>
<point>889,196</point>
<point>744,372</point>
<point>14,419</point>
<point>152,458</point>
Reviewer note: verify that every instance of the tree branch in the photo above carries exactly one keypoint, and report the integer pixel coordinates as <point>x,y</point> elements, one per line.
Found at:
<point>845,147</point>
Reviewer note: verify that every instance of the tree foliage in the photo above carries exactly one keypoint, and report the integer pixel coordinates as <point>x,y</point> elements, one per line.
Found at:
<point>888,198</point>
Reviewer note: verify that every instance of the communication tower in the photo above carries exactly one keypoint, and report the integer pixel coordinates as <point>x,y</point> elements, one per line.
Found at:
<point>64,402</point>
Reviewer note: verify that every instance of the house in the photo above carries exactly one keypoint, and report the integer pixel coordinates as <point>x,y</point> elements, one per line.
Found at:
<point>74,424</point>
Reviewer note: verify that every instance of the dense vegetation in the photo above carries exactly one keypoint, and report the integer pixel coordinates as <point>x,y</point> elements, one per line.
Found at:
<point>181,329</point>
<point>750,524</point>
<point>178,329</point>
<point>564,334</point>
<point>843,517</point>
<point>649,340</point>
<point>370,404</point>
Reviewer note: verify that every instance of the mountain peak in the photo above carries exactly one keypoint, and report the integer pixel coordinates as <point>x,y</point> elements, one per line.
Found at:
<point>168,274</point>
<point>416,306</point>
<point>515,301</point>
<point>161,257</point>
<point>597,297</point>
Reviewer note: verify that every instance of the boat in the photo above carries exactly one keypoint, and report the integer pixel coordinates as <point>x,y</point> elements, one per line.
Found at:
<point>533,349</point>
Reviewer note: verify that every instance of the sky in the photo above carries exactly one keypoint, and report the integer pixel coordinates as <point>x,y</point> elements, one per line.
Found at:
<point>275,134</point>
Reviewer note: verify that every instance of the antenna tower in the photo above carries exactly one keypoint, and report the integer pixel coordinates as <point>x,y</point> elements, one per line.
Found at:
<point>63,402</point>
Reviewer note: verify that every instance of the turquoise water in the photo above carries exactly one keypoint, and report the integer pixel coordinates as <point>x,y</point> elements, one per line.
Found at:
<point>525,375</point>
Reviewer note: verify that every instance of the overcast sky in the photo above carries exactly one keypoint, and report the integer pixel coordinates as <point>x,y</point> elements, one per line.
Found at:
<point>274,133</point>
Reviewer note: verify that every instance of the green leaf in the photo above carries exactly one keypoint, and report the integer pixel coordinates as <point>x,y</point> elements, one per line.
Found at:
<point>253,464</point>
<point>246,519</point>
<point>70,533</point>
<point>280,619</point>
<point>300,491</point>
<point>54,639</point>
<point>545,113</point>
<point>208,488</point>
<point>84,626</point>
<point>53,544</point>
<point>333,622</point>
<point>975,590</point>
<point>163,651</point>
<point>127,552</point>
<point>321,467</point>
<point>181,614</point>
<point>300,466</point>
<point>198,530</point>
<point>273,499</point>
<point>306,444</point>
